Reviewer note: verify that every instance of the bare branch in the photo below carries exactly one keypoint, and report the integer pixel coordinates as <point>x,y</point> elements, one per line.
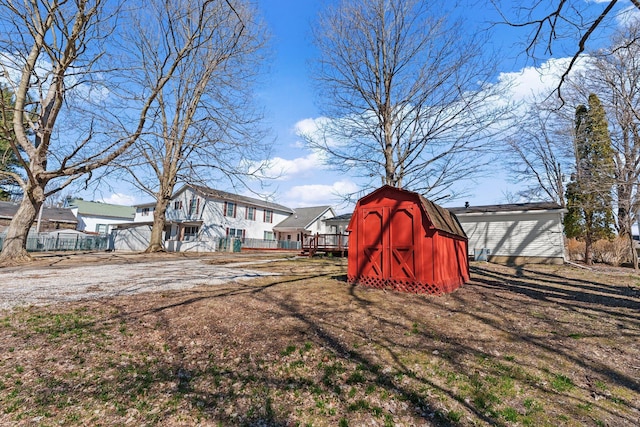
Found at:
<point>404,95</point>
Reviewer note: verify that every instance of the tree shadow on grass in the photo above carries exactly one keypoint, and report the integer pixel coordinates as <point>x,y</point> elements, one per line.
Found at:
<point>591,300</point>
<point>361,338</point>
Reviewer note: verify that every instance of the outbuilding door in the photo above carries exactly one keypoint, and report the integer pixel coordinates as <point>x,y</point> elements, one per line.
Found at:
<point>388,238</point>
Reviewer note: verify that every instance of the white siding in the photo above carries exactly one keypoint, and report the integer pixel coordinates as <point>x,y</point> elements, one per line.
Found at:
<point>320,226</point>
<point>131,239</point>
<point>215,223</point>
<point>90,223</point>
<point>515,234</point>
<point>144,214</point>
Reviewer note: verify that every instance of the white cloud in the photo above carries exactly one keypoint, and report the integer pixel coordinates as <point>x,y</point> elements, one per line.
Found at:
<point>319,194</point>
<point>120,199</point>
<point>282,169</point>
<point>532,82</point>
<point>309,126</point>
<point>628,16</point>
<point>318,130</point>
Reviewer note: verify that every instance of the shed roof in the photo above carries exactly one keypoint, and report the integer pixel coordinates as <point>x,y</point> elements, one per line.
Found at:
<point>61,215</point>
<point>302,217</point>
<point>89,208</point>
<point>510,207</point>
<point>443,219</point>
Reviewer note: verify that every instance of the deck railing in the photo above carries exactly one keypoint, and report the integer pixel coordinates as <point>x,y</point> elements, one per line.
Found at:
<point>329,243</point>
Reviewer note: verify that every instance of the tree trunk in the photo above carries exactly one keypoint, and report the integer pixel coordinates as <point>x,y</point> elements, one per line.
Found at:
<point>588,253</point>
<point>156,244</point>
<point>634,253</point>
<point>14,249</point>
<point>624,209</point>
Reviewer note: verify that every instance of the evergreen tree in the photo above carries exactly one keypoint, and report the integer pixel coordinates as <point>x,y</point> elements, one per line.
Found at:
<point>589,198</point>
<point>8,160</point>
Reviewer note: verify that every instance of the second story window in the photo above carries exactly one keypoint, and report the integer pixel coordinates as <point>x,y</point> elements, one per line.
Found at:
<point>194,204</point>
<point>177,204</point>
<point>230,209</point>
<point>268,216</point>
<point>145,211</point>
<point>251,214</point>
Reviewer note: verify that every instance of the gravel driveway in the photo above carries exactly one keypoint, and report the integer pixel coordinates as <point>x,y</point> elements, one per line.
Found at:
<point>34,285</point>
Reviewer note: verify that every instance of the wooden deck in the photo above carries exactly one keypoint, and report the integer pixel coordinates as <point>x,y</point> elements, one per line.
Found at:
<point>334,244</point>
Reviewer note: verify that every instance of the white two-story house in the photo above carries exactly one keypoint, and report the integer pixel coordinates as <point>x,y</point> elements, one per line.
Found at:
<point>198,217</point>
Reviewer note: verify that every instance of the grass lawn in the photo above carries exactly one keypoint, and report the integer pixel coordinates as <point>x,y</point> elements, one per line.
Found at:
<point>531,346</point>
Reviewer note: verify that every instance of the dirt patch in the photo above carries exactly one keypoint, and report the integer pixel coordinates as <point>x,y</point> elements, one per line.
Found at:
<point>65,259</point>
<point>539,345</point>
<point>99,275</point>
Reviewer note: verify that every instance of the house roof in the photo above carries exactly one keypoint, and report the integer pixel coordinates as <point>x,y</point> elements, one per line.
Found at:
<point>302,218</point>
<point>511,207</point>
<point>88,208</point>
<point>62,215</point>
<point>340,218</point>
<point>223,195</point>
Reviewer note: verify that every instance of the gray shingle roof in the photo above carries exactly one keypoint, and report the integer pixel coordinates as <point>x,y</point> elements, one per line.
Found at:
<point>443,219</point>
<point>223,195</point>
<point>302,217</point>
<point>341,218</point>
<point>511,207</point>
<point>9,209</point>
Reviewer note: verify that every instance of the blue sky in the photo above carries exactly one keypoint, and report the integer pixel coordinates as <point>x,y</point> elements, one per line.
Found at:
<point>289,101</point>
<point>288,98</point>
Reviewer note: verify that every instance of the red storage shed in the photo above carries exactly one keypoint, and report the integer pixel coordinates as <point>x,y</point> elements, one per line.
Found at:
<point>400,240</point>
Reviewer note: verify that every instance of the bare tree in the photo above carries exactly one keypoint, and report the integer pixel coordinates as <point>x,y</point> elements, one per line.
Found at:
<point>405,96</point>
<point>615,73</point>
<point>67,77</point>
<point>552,23</point>
<point>540,152</point>
<point>204,121</point>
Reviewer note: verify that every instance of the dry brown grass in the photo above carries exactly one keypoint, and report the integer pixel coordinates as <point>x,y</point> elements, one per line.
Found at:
<point>536,345</point>
<point>612,252</point>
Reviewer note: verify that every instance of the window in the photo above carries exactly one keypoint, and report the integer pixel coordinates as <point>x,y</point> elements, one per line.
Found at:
<point>177,204</point>
<point>230,209</point>
<point>235,232</point>
<point>194,205</point>
<point>251,214</point>
<point>101,228</point>
<point>268,216</point>
<point>268,235</point>
<point>190,233</point>
<point>145,211</point>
